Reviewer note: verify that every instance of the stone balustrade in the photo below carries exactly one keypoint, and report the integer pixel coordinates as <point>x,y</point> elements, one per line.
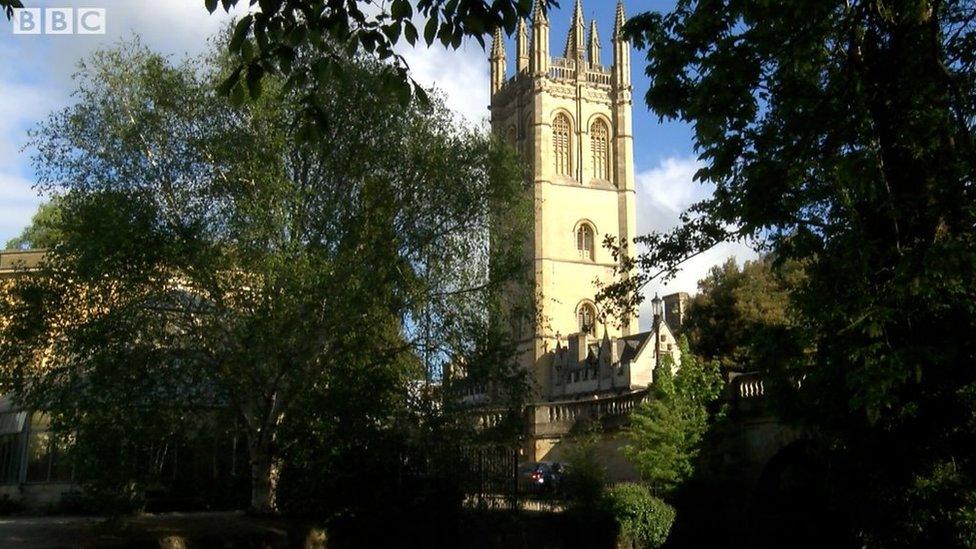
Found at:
<point>486,419</point>
<point>746,393</point>
<point>598,77</point>
<point>558,418</point>
<point>748,386</point>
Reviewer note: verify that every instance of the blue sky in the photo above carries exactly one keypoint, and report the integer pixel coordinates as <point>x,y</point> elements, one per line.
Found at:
<point>35,78</point>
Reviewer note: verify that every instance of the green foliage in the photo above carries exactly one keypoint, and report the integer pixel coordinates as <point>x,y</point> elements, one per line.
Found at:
<point>642,519</point>
<point>8,506</point>
<point>739,309</point>
<point>212,255</point>
<point>7,6</point>
<point>841,135</point>
<point>666,431</point>
<point>42,232</point>
<point>274,36</point>
<point>583,483</point>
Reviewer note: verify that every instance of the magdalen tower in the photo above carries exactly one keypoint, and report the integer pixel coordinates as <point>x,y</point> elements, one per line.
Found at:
<point>570,119</point>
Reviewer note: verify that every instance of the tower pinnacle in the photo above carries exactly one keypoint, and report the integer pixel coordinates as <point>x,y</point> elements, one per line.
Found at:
<point>621,50</point>
<point>498,64</point>
<point>593,45</point>
<point>575,39</point>
<point>538,14</point>
<point>618,25</point>
<point>540,41</point>
<point>521,47</point>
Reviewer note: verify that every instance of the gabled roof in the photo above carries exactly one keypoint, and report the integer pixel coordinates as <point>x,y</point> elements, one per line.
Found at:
<point>634,345</point>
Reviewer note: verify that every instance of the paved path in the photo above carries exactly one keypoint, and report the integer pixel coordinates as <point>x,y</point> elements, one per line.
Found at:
<point>141,531</point>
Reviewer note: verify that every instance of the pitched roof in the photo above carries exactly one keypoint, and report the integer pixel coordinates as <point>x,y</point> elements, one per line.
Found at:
<point>634,344</point>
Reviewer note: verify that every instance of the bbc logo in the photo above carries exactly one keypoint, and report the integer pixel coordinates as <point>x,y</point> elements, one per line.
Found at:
<point>59,21</point>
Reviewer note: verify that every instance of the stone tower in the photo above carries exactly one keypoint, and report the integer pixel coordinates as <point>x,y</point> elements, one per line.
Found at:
<point>570,119</point>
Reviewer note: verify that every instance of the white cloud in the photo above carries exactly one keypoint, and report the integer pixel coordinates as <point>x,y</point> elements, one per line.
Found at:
<point>462,75</point>
<point>663,192</point>
<point>35,77</point>
<point>17,204</point>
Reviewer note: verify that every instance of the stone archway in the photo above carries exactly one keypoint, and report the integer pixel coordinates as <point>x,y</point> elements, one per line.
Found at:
<point>791,503</point>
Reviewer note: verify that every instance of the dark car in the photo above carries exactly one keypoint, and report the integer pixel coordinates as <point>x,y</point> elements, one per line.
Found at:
<point>540,476</point>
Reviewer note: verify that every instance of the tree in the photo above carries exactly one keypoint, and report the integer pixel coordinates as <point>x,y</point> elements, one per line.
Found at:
<point>268,39</point>
<point>210,257</point>
<point>738,309</point>
<point>841,134</point>
<point>666,431</point>
<point>8,7</point>
<point>42,231</point>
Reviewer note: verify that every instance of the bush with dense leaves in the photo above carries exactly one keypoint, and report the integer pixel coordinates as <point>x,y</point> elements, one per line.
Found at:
<point>641,519</point>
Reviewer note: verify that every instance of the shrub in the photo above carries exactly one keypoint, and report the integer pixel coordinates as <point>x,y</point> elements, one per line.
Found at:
<point>9,506</point>
<point>582,485</point>
<point>641,519</point>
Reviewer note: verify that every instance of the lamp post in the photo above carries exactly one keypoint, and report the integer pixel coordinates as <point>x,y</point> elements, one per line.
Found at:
<point>656,310</point>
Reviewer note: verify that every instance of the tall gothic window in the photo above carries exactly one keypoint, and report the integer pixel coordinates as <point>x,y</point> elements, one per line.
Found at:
<point>600,150</point>
<point>586,315</point>
<point>561,144</point>
<point>584,241</point>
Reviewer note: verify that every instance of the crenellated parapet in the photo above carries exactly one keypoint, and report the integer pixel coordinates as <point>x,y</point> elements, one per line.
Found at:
<point>581,60</point>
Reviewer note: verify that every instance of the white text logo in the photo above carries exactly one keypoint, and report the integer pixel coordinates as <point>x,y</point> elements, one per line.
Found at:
<point>59,21</point>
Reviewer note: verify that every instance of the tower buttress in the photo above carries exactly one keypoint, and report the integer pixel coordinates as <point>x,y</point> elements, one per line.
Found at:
<point>498,64</point>
<point>624,135</point>
<point>521,48</point>
<point>540,41</point>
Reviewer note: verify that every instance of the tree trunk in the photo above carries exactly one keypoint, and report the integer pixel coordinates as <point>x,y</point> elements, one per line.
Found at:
<point>265,467</point>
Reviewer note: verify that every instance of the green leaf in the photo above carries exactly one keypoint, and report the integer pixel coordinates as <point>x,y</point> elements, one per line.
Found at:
<point>321,68</point>
<point>352,45</point>
<point>430,29</point>
<point>401,9</point>
<point>392,32</point>
<point>286,56</point>
<point>410,33</point>
<point>224,87</point>
<point>254,75</point>
<point>240,32</point>
<point>247,50</point>
<point>445,35</point>
<point>211,5</point>
<point>420,94</point>
<point>238,94</point>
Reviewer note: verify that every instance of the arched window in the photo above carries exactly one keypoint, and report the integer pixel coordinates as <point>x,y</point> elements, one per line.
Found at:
<point>561,144</point>
<point>586,317</point>
<point>584,241</point>
<point>600,150</point>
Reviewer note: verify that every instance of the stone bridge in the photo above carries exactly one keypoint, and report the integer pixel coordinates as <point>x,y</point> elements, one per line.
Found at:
<point>748,441</point>
<point>756,483</point>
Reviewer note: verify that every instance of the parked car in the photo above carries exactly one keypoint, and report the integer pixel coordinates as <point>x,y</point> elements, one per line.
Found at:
<point>540,476</point>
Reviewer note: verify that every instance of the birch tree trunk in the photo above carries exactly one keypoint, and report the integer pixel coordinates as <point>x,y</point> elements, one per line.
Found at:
<point>265,468</point>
